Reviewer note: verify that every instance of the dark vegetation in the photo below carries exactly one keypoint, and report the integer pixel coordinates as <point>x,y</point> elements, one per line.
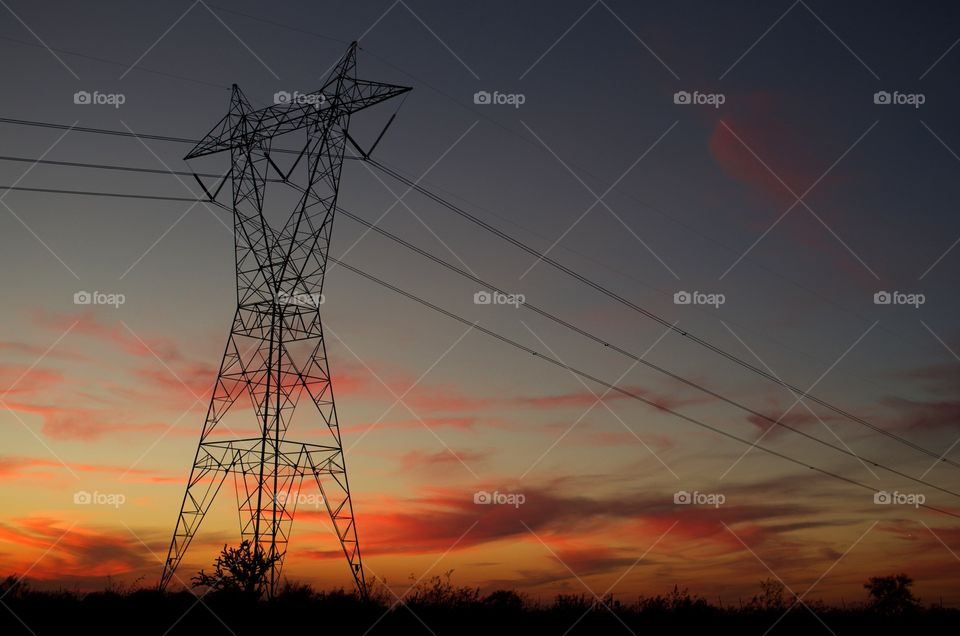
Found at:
<point>232,603</point>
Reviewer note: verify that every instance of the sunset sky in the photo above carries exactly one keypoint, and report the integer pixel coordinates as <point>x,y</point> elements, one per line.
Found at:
<point>798,198</point>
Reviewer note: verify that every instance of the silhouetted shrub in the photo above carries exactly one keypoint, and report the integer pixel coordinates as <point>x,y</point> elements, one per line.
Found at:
<point>240,571</point>
<point>891,594</point>
<point>505,601</point>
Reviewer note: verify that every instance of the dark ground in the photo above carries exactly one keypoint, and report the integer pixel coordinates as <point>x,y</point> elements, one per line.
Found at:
<point>438,609</point>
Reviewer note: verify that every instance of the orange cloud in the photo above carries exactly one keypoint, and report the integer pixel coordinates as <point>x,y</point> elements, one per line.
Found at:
<point>435,519</point>
<point>50,472</point>
<point>67,551</point>
<point>82,424</point>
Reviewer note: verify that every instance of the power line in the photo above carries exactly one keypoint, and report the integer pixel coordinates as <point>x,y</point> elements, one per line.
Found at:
<point>556,319</point>
<point>481,114</point>
<point>611,386</point>
<point>183,140</point>
<point>640,359</point>
<point>889,434</point>
<point>103,166</point>
<point>90,193</point>
<point>530,250</point>
<point>99,131</point>
<point>124,133</point>
<point>645,312</point>
<point>559,321</point>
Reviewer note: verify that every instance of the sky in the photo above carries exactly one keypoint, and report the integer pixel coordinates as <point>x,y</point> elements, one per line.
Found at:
<point>781,164</point>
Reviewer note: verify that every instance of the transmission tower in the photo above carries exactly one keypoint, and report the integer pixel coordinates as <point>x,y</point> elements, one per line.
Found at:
<point>276,352</point>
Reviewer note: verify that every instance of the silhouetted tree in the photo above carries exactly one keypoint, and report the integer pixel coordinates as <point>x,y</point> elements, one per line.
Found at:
<point>505,600</point>
<point>13,587</point>
<point>771,596</point>
<point>241,570</point>
<point>891,594</point>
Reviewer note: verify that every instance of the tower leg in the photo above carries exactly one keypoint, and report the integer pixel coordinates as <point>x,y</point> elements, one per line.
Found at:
<point>336,497</point>
<point>206,478</point>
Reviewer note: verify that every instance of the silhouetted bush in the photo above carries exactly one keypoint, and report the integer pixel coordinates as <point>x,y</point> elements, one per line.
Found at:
<point>891,594</point>
<point>505,601</point>
<point>240,571</point>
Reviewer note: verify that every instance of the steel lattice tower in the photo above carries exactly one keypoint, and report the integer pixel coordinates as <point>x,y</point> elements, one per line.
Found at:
<point>280,278</point>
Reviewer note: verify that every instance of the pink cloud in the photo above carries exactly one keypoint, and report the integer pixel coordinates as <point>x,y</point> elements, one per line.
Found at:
<point>764,123</point>
<point>82,424</point>
<point>440,462</point>
<point>798,418</point>
<point>51,471</point>
<point>759,121</point>
<point>17,381</point>
<point>924,415</point>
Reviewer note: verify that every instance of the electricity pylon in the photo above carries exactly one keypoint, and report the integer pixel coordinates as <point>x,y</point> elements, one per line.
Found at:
<point>279,293</point>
